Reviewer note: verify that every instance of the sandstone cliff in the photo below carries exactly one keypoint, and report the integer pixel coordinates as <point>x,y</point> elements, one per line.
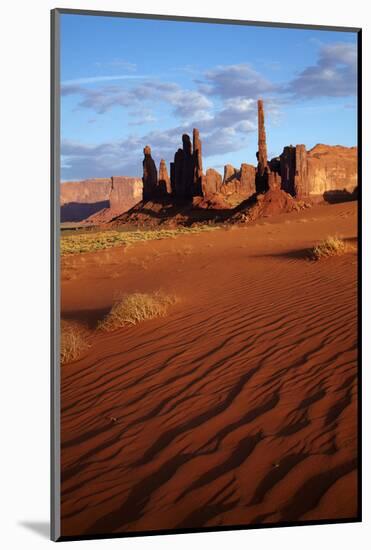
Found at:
<point>125,192</point>
<point>85,191</point>
<point>81,200</point>
<point>332,168</point>
<point>239,183</point>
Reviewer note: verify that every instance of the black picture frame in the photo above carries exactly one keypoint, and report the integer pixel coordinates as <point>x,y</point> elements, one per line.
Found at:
<point>55,272</point>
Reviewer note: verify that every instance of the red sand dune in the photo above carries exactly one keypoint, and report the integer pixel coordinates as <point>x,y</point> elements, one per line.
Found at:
<point>239,407</point>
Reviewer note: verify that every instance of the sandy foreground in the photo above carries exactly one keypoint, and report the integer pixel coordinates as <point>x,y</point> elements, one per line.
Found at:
<point>240,406</point>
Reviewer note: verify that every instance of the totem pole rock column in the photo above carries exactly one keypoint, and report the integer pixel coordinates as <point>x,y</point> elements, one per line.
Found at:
<point>149,175</point>
<point>188,167</point>
<point>177,174</point>
<point>262,156</point>
<point>197,161</point>
<point>163,179</point>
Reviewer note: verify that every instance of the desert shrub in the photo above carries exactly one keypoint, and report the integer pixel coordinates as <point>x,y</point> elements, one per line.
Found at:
<point>93,241</point>
<point>331,246</point>
<point>73,342</point>
<point>131,309</point>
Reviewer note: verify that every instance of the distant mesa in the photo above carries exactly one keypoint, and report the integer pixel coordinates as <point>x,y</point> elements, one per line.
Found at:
<point>98,200</point>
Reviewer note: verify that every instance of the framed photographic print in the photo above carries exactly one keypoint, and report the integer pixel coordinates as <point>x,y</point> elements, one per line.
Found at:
<point>206,189</point>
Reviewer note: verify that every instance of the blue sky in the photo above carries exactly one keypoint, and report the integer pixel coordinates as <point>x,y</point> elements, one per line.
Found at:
<point>126,83</point>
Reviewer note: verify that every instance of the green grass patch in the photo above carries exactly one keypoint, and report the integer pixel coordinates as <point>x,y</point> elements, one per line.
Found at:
<point>77,243</point>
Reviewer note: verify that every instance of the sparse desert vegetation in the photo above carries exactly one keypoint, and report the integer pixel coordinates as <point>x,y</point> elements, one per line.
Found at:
<point>131,309</point>
<point>100,240</point>
<point>331,246</point>
<point>73,341</point>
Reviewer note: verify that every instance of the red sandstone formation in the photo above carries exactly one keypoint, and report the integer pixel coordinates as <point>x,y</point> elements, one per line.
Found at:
<point>294,171</point>
<point>186,170</point>
<point>187,178</point>
<point>230,173</point>
<point>176,171</point>
<point>332,168</point>
<point>287,169</point>
<point>301,184</point>
<point>150,182</point>
<point>262,156</point>
<point>262,143</point>
<point>86,191</point>
<point>274,181</point>
<point>211,183</point>
<point>179,183</point>
<point>125,192</point>
<point>197,160</point>
<point>240,183</point>
<point>83,200</point>
<point>163,178</point>
<point>214,202</point>
<point>247,180</point>
<point>275,201</point>
<point>323,169</point>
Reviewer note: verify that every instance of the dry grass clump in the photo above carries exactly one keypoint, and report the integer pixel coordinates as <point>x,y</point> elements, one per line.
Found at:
<point>134,308</point>
<point>73,342</point>
<point>331,246</point>
<point>92,241</point>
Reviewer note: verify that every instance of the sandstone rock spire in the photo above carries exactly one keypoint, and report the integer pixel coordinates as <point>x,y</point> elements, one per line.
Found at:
<point>163,178</point>
<point>261,181</point>
<point>262,141</point>
<point>197,159</point>
<point>149,175</point>
<point>188,167</point>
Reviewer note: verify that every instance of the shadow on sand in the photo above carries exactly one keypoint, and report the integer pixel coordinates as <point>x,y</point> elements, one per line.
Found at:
<point>164,211</point>
<point>340,195</point>
<point>302,253</point>
<point>87,317</point>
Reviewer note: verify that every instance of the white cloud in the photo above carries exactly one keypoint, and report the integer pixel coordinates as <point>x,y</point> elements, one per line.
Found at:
<point>334,74</point>
<point>80,161</point>
<point>225,115</point>
<point>185,103</point>
<point>229,81</point>
<point>141,116</point>
<point>95,79</point>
